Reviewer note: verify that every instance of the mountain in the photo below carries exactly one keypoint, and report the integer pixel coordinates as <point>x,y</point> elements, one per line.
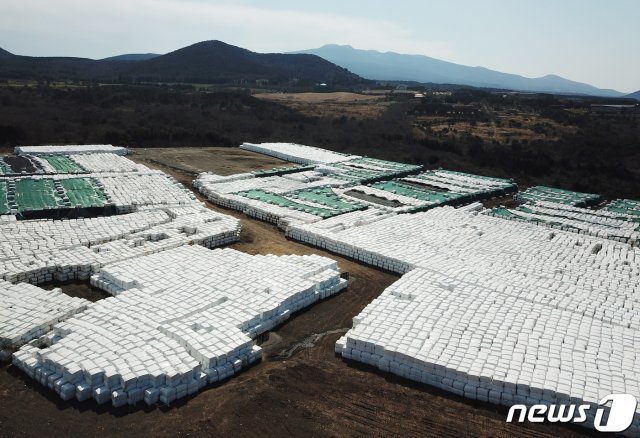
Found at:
<point>372,64</point>
<point>58,68</point>
<point>635,95</point>
<point>132,57</point>
<point>4,53</point>
<point>216,61</point>
<point>205,62</point>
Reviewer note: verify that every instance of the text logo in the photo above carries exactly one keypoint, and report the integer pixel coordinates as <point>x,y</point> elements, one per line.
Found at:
<point>621,412</point>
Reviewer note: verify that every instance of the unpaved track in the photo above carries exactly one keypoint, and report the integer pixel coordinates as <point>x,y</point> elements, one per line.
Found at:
<point>299,388</point>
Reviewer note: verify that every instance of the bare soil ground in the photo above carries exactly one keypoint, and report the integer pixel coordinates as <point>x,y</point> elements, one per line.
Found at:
<point>299,388</point>
<point>338,104</point>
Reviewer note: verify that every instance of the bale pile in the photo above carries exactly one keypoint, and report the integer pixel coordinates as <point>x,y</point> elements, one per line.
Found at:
<point>297,153</point>
<point>27,312</point>
<point>498,311</point>
<point>181,319</point>
<point>42,250</point>
<point>71,149</point>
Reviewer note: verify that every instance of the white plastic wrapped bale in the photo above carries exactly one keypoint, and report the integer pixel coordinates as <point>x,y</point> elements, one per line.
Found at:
<point>107,162</point>
<point>196,227</point>
<point>183,318</point>
<point>493,347</point>
<point>459,182</point>
<point>589,271</point>
<point>71,149</point>
<point>281,216</point>
<point>274,184</point>
<point>404,203</point>
<point>297,153</point>
<point>43,250</point>
<point>222,191</point>
<point>130,191</point>
<point>505,312</point>
<point>210,177</point>
<point>43,164</point>
<point>602,223</point>
<point>29,249</point>
<point>27,312</point>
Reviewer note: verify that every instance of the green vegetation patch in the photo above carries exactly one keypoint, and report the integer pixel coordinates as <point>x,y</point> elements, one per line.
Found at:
<point>84,192</point>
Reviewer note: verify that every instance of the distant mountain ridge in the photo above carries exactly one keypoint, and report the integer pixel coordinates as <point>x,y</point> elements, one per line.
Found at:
<point>206,62</point>
<point>635,95</point>
<point>132,57</point>
<point>390,66</point>
<point>221,63</point>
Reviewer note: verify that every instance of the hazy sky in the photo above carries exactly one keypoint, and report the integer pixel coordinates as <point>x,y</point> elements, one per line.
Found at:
<point>591,41</point>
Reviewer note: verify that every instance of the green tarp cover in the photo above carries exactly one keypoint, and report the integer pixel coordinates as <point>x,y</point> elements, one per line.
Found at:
<point>83,192</point>
<point>4,206</point>
<point>63,163</point>
<point>32,194</point>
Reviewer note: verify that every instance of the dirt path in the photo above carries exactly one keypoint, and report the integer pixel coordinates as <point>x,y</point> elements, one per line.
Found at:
<point>299,388</point>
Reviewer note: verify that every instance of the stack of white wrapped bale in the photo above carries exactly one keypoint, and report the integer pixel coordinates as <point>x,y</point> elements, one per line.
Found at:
<point>130,191</point>
<point>223,191</point>
<point>27,312</point>
<point>459,182</point>
<point>107,162</point>
<point>43,250</point>
<point>213,185</point>
<point>404,203</point>
<point>297,153</point>
<point>498,311</point>
<point>181,319</point>
<point>71,149</point>
<point>43,164</point>
<point>602,223</point>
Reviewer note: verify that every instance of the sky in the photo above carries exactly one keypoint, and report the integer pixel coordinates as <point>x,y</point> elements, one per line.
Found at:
<point>591,41</point>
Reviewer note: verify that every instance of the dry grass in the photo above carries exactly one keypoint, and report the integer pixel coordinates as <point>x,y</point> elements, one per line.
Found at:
<point>503,129</point>
<point>338,104</point>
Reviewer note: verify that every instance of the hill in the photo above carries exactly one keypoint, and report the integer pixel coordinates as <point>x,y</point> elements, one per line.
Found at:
<point>218,62</point>
<point>4,53</point>
<point>132,57</point>
<point>372,64</point>
<point>635,95</point>
<point>205,62</point>
<point>59,68</point>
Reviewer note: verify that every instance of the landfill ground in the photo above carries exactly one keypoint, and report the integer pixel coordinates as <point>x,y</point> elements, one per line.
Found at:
<point>299,388</point>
